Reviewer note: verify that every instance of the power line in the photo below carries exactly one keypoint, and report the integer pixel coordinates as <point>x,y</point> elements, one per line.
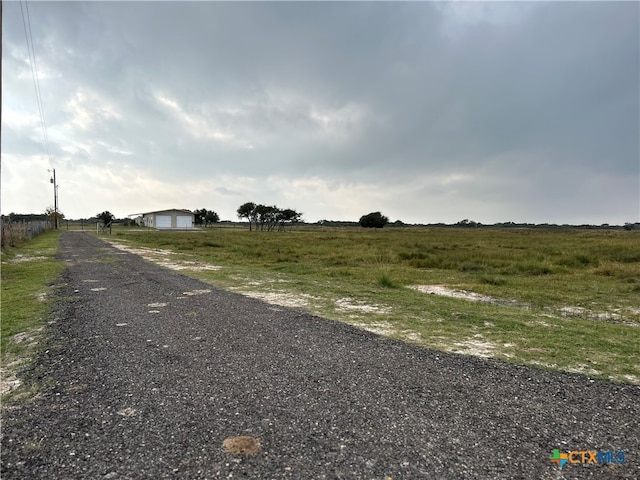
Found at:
<point>34,73</point>
<point>26,23</point>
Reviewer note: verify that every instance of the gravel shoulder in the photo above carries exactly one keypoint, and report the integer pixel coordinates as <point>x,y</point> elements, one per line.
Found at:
<point>147,372</point>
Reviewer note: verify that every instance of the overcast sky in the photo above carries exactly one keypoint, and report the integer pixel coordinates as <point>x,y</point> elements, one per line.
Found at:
<point>428,112</point>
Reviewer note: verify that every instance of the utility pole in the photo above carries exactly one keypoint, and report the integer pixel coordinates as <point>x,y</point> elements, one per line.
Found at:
<point>55,198</point>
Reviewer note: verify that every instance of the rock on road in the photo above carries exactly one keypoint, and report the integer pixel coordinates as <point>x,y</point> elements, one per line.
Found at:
<point>147,372</point>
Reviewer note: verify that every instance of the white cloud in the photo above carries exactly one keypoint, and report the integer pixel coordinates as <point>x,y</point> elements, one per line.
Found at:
<point>201,127</point>
<point>17,119</point>
<point>25,184</point>
<point>87,107</point>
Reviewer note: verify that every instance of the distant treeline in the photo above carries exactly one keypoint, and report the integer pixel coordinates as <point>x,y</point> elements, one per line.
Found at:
<point>31,217</point>
<point>26,217</point>
<point>471,224</point>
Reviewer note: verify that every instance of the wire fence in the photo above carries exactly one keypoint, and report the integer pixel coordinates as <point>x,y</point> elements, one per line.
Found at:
<point>16,233</point>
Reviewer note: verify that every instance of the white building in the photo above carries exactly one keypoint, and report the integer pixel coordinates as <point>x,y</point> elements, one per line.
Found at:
<point>169,219</point>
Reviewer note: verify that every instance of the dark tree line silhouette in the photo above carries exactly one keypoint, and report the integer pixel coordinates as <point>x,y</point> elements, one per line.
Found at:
<point>265,217</point>
<point>205,217</point>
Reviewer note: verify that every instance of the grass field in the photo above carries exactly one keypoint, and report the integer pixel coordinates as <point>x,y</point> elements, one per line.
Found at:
<point>26,274</point>
<point>565,299</point>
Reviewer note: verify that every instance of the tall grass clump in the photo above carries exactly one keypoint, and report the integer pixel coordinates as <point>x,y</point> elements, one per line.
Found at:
<point>385,281</point>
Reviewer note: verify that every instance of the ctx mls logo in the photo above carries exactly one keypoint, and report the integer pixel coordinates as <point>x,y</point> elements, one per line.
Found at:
<point>559,458</point>
<point>586,456</point>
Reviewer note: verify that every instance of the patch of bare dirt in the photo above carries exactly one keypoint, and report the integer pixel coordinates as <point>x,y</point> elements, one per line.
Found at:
<point>160,257</point>
<point>8,381</point>
<point>29,337</point>
<point>8,372</point>
<point>242,445</point>
<point>284,299</point>
<point>475,347</point>
<point>350,304</point>
<point>381,328</point>
<point>20,258</point>
<point>444,291</point>
<point>196,292</point>
<point>613,315</point>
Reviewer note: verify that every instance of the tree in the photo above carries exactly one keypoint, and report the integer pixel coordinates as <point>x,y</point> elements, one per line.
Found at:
<point>211,217</point>
<point>54,217</point>
<point>199,215</point>
<point>373,220</point>
<point>265,215</point>
<point>247,211</point>
<point>288,216</point>
<point>205,217</point>
<point>268,217</point>
<point>467,223</point>
<point>106,217</point>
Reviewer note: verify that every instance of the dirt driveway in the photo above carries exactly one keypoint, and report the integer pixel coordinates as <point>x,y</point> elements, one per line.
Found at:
<point>148,372</point>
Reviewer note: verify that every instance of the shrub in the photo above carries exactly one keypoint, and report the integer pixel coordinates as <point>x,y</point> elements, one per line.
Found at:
<point>373,220</point>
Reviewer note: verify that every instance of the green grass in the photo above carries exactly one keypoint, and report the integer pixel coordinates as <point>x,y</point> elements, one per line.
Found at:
<point>26,274</point>
<point>566,298</point>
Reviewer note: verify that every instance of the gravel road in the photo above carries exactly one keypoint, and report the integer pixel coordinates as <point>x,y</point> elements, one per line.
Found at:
<point>147,372</point>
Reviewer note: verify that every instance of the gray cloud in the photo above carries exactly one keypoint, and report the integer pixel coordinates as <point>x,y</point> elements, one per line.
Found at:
<point>507,111</point>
